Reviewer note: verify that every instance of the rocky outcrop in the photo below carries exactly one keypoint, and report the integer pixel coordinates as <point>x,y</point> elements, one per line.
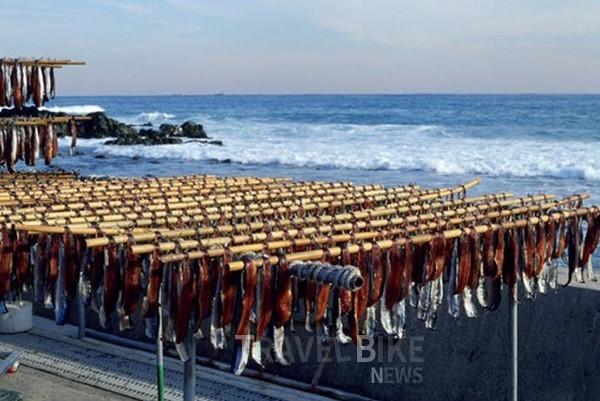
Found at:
<point>166,134</point>
<point>190,129</point>
<point>102,126</point>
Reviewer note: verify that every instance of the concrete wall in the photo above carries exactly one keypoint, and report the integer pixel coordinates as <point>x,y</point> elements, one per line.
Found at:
<point>467,359</point>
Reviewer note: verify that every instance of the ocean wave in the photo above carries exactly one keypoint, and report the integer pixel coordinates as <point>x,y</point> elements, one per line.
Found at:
<point>77,109</point>
<point>428,148</point>
<point>153,117</point>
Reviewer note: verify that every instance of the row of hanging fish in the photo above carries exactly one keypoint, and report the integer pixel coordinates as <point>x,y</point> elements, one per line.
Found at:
<point>28,143</point>
<point>21,83</point>
<point>243,307</point>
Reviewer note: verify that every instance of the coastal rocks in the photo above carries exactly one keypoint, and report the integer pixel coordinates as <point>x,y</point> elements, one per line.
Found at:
<point>146,137</point>
<point>167,134</point>
<point>102,126</point>
<point>190,129</point>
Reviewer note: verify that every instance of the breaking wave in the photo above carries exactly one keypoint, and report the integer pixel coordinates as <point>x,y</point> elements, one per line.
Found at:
<point>79,109</point>
<point>428,148</point>
<point>154,118</point>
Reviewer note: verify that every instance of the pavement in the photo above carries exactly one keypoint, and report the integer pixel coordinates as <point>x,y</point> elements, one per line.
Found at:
<point>55,365</point>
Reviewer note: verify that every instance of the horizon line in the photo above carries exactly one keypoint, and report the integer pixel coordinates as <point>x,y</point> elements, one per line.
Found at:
<point>218,94</point>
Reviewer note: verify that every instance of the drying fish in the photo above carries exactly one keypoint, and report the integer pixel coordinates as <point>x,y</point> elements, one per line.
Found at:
<point>561,240</point>
<point>592,236</point>
<point>150,301</point>
<point>264,305</point>
<point>73,131</point>
<point>243,336</point>
<point>359,298</point>
<point>95,274</point>
<point>132,275</point>
<point>52,272</point>
<point>282,309</point>
<point>573,241</point>
<point>464,263</point>
<point>510,271</point>
<point>184,290</point>
<point>229,283</point>
<point>6,261</point>
<point>22,262</point>
<point>112,285</point>
<point>205,288</point>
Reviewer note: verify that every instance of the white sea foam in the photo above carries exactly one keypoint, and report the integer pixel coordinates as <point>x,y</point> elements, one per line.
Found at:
<point>78,109</point>
<point>154,117</point>
<point>378,147</point>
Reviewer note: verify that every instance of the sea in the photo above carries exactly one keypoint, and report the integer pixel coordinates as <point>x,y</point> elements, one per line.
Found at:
<point>525,144</point>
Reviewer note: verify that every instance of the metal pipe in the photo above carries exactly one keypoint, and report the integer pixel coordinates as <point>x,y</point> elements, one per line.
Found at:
<point>514,350</point>
<point>189,370</point>
<point>160,364</point>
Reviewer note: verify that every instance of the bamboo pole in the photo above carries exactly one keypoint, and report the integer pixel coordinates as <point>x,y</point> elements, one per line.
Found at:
<point>299,226</point>
<point>94,201</point>
<point>185,215</point>
<point>89,207</point>
<point>383,244</point>
<point>256,247</point>
<point>41,62</point>
<point>151,191</point>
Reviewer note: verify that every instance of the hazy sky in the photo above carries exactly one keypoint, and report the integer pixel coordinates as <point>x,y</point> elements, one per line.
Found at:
<point>307,46</point>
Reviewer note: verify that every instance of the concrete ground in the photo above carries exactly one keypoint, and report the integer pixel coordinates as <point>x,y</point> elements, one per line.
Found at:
<point>36,385</point>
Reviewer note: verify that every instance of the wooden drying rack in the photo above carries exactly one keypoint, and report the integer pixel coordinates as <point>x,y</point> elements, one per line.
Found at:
<point>37,121</point>
<point>42,62</point>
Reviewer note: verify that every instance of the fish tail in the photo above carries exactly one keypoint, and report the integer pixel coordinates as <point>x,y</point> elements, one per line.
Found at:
<point>278,337</point>
<point>242,351</point>
<point>182,351</point>
<point>385,318</point>
<point>481,291</point>
<point>125,323</point>
<point>399,321</point>
<point>467,298</point>
<point>307,325</point>
<point>103,318</point>
<point>198,334</point>
<point>340,336</point>
<point>256,353</point>
<point>3,307</point>
<point>589,269</point>
<point>48,304</point>
<point>149,328</point>
<point>63,312</point>
<point>217,337</point>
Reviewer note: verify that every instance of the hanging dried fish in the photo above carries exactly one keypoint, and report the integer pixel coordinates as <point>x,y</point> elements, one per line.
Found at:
<point>6,263</point>
<point>132,280</point>
<point>282,310</point>
<point>73,131</point>
<point>264,306</point>
<point>205,287</point>
<point>112,285</point>
<point>573,240</point>
<point>510,271</point>
<point>592,236</point>
<point>464,263</point>
<point>243,337</point>
<point>184,290</point>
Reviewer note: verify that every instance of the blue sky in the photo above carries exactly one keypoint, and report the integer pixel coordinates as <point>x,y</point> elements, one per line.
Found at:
<point>311,46</point>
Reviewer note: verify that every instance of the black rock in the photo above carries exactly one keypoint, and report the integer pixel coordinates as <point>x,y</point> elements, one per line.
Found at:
<point>148,124</point>
<point>190,129</point>
<point>101,126</point>
<point>169,130</point>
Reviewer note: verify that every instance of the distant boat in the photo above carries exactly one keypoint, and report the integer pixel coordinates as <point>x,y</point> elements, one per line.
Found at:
<point>219,94</point>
